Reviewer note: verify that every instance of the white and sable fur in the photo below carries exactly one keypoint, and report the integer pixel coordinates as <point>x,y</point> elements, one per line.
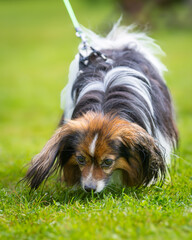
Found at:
<point>122,37</point>
<point>127,90</point>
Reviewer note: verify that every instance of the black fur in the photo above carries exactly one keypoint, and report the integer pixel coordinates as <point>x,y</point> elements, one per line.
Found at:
<point>123,101</point>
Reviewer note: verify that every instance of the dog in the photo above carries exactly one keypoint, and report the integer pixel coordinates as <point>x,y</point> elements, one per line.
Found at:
<point>118,124</point>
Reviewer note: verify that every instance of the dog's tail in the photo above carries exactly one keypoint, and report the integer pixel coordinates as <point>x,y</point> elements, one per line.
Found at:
<point>118,38</point>
<point>122,36</point>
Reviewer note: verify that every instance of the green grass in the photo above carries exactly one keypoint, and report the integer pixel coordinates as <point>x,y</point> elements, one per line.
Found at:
<point>37,44</point>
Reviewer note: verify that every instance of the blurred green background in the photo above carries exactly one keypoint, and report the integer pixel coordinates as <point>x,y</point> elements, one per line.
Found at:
<point>37,44</point>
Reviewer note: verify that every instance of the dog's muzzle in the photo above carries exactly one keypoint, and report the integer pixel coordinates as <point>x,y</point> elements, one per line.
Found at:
<point>93,185</point>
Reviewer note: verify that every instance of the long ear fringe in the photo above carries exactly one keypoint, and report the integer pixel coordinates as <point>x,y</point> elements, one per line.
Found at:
<point>44,164</point>
<point>155,169</point>
<point>35,175</point>
<point>148,164</point>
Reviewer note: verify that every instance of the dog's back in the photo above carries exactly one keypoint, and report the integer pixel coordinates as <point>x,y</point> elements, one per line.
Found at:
<point>129,84</point>
<point>118,117</point>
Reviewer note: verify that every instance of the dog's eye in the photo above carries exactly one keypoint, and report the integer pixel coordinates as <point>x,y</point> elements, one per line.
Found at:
<point>107,162</point>
<point>81,160</point>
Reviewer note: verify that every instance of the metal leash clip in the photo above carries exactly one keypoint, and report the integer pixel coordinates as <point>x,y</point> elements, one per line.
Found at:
<point>86,50</point>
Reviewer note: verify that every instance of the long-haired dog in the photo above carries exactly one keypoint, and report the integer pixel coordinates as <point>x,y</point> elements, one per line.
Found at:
<point>118,122</point>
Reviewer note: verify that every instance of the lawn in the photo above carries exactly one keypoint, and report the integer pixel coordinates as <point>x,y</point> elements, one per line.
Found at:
<point>37,44</point>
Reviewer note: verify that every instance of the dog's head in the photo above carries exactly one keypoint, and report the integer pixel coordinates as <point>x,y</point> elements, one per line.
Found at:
<point>89,149</point>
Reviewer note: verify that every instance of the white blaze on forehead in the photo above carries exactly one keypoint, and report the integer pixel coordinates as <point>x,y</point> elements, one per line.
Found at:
<point>92,145</point>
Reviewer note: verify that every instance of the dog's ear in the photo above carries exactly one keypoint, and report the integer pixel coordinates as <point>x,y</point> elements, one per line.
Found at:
<point>45,163</point>
<point>141,158</point>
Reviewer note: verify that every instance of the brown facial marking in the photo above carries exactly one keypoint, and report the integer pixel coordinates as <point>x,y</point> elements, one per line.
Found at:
<point>130,176</point>
<point>71,172</point>
<point>98,173</point>
<point>95,171</point>
<point>105,130</point>
<point>108,129</point>
<point>145,165</point>
<point>85,170</point>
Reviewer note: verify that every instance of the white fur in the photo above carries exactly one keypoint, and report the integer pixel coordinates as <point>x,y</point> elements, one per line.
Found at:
<point>122,36</point>
<point>89,177</point>
<point>92,145</point>
<point>100,186</point>
<point>90,181</point>
<point>165,146</point>
<point>119,37</point>
<point>92,86</point>
<point>127,77</point>
<point>67,102</point>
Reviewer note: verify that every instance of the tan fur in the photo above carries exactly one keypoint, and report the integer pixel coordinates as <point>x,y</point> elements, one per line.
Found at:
<point>117,129</point>
<point>130,173</point>
<point>71,172</point>
<point>107,129</point>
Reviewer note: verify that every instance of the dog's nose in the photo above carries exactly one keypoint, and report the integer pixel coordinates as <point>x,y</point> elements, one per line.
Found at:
<point>89,188</point>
